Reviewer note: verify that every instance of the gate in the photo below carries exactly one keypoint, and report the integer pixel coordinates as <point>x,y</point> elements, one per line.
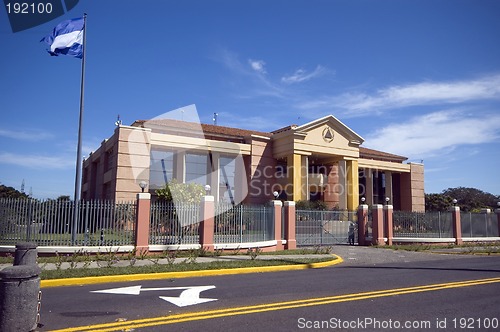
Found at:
<point>325,227</point>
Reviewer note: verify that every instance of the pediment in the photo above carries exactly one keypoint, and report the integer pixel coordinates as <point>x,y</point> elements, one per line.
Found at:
<point>327,129</point>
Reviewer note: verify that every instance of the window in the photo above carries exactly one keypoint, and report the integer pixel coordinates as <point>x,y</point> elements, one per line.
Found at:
<point>161,168</point>
<point>227,168</point>
<point>196,168</point>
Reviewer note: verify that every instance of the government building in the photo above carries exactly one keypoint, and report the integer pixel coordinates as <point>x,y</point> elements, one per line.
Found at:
<point>320,160</point>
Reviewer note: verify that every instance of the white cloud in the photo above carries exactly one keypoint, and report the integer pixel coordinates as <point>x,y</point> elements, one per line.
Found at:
<point>24,135</point>
<point>257,65</point>
<point>398,96</point>
<point>435,133</point>
<point>37,161</point>
<point>302,75</point>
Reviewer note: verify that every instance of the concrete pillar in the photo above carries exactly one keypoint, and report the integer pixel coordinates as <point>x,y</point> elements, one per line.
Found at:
<point>352,187</point>
<point>362,224</point>
<point>180,166</point>
<point>369,186</point>
<point>457,227</point>
<point>142,222</point>
<point>388,185</point>
<point>291,241</point>
<point>297,173</point>
<point>388,224</point>
<point>19,298</point>
<point>26,254</point>
<point>206,231</point>
<point>377,224</point>
<point>277,206</point>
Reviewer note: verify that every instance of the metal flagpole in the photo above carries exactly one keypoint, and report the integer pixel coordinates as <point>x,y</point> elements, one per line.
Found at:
<point>76,216</point>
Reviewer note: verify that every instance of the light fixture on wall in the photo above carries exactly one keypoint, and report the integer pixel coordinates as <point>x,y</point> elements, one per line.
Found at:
<point>143,185</point>
<point>207,189</point>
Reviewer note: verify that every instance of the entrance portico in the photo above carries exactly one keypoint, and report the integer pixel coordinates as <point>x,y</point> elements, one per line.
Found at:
<point>321,159</point>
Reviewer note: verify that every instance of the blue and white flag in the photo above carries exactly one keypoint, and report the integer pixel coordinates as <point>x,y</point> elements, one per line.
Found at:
<point>67,38</point>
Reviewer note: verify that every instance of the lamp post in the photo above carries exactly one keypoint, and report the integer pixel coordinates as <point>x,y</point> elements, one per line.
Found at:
<point>363,200</point>
<point>207,189</point>
<point>387,199</point>
<point>276,194</point>
<point>143,185</point>
<point>454,201</point>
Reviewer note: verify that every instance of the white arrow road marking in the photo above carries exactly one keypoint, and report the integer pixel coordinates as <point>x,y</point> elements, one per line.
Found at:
<point>190,295</point>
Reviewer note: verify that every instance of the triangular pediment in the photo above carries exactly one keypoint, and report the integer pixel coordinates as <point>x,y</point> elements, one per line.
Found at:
<point>323,137</point>
<point>329,125</point>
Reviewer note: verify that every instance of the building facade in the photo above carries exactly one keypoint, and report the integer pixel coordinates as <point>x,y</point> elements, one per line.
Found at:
<point>320,160</point>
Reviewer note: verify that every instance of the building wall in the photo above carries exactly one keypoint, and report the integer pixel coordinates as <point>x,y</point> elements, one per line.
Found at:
<point>115,170</point>
<point>412,189</point>
<point>260,169</point>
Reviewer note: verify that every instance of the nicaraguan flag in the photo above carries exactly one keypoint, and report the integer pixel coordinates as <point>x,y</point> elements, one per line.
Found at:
<point>67,38</point>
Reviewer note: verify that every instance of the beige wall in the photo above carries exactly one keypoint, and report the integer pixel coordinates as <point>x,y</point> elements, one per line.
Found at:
<point>412,189</point>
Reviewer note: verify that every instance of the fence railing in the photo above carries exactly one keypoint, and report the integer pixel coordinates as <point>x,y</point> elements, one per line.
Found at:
<point>422,224</point>
<point>243,223</point>
<point>324,227</point>
<point>478,224</point>
<point>50,222</point>
<point>174,223</point>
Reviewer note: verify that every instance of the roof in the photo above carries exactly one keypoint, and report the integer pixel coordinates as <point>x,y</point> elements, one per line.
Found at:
<point>379,155</point>
<point>177,126</point>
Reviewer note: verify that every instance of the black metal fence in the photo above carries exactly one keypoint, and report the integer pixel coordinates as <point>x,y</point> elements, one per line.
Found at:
<point>325,227</point>
<point>478,224</point>
<point>174,223</point>
<point>243,223</point>
<point>51,222</point>
<point>422,224</point>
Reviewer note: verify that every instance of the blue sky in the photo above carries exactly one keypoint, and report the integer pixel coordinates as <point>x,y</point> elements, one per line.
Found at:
<point>416,78</point>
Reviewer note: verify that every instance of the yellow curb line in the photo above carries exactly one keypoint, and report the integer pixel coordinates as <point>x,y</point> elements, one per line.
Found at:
<point>186,274</point>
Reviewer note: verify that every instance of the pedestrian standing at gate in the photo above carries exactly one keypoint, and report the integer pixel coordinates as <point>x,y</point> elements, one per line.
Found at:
<point>351,233</point>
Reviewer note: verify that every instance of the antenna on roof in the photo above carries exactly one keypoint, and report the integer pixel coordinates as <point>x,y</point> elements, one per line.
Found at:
<point>215,119</point>
<point>22,187</point>
<point>118,121</point>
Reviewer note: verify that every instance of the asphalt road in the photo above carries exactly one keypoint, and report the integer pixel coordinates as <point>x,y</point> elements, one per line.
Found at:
<point>372,290</point>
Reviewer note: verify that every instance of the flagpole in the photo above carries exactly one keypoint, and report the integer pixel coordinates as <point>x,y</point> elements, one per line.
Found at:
<point>78,183</point>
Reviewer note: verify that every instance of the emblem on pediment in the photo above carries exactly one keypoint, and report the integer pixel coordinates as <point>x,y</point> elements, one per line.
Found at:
<point>327,134</point>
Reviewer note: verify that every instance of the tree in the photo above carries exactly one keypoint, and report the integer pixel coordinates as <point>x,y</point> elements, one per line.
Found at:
<point>437,202</point>
<point>9,192</point>
<point>468,199</point>
<point>181,192</point>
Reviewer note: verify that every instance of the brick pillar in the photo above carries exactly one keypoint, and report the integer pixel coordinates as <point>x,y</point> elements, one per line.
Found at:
<point>277,205</point>
<point>377,224</point>
<point>388,225</point>
<point>291,242</point>
<point>142,222</point>
<point>207,211</point>
<point>362,221</point>
<point>457,227</point>
<point>498,220</point>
